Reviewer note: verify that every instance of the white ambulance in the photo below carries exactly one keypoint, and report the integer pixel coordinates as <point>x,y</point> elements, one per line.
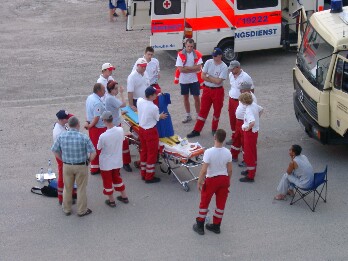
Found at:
<point>233,25</point>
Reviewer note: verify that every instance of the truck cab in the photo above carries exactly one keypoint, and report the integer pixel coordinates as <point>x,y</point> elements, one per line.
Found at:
<point>321,76</point>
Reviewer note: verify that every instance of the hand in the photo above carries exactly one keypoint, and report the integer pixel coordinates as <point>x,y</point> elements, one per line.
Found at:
<point>121,89</point>
<point>163,115</point>
<point>124,112</point>
<point>200,185</point>
<point>86,126</point>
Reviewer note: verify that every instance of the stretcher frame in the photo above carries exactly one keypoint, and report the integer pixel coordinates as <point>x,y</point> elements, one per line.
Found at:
<point>169,162</point>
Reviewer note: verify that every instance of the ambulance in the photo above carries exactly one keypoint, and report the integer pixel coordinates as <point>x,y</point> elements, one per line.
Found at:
<point>321,75</point>
<point>235,26</point>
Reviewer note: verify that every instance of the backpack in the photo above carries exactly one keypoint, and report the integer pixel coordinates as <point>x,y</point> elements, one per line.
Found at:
<point>47,191</point>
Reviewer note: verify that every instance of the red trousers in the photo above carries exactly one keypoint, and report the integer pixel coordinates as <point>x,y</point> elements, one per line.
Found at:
<point>219,186</point>
<point>232,107</point>
<point>149,141</point>
<point>126,157</point>
<point>210,96</point>
<point>60,183</point>
<point>250,152</point>
<point>111,181</point>
<point>94,134</point>
<point>237,140</point>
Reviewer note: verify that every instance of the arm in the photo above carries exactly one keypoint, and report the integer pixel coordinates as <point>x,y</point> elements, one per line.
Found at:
<point>208,78</point>
<point>190,69</point>
<point>229,169</point>
<point>122,97</point>
<point>292,166</point>
<point>92,156</point>
<point>58,155</point>
<point>163,115</point>
<point>201,177</point>
<point>251,124</point>
<point>92,123</point>
<point>130,101</point>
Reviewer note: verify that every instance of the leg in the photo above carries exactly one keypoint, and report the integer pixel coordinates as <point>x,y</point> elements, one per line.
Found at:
<point>143,152</point>
<point>218,102</point>
<point>221,195</point>
<point>205,108</point>
<point>236,146</point>
<point>283,185</point>
<point>118,183</point>
<point>94,134</point>
<point>60,185</point>
<point>207,192</point>
<point>152,141</point>
<point>187,103</point>
<point>81,182</point>
<point>107,183</point>
<point>232,106</point>
<point>69,178</point>
<point>195,92</point>
<point>250,140</point>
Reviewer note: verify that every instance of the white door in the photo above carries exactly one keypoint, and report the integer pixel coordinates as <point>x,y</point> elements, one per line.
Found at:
<point>139,15</point>
<point>258,24</point>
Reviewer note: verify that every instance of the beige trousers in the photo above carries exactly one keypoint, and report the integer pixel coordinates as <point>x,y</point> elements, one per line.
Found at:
<point>72,174</point>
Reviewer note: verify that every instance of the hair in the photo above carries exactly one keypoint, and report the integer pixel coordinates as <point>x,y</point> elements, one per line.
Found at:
<point>220,135</point>
<point>189,40</point>
<point>246,98</point>
<point>149,49</point>
<point>73,122</point>
<point>109,120</point>
<point>296,149</point>
<point>111,85</point>
<point>97,87</point>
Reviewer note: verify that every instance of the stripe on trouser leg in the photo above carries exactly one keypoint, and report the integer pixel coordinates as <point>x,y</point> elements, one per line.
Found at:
<point>150,170</point>
<point>234,148</point>
<point>150,166</point>
<point>200,118</point>
<point>251,168</point>
<point>217,215</point>
<point>108,190</point>
<point>94,166</point>
<point>125,151</point>
<point>118,185</point>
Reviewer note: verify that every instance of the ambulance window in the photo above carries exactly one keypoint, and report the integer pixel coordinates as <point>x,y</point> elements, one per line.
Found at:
<point>167,7</point>
<point>254,4</point>
<point>345,77</point>
<point>338,74</point>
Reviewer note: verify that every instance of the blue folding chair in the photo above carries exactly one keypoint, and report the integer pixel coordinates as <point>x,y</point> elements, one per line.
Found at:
<point>320,179</point>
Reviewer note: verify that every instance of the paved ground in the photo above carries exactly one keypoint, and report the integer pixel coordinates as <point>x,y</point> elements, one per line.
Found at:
<point>51,54</point>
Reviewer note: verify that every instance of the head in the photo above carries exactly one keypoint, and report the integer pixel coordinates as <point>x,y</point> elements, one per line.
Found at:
<point>99,89</point>
<point>107,117</point>
<point>234,67</point>
<point>217,54</point>
<point>112,87</point>
<point>295,150</point>
<point>74,123</point>
<point>246,98</point>
<point>63,116</point>
<point>150,93</point>
<point>220,135</point>
<point>189,45</point>
<point>141,65</point>
<point>107,69</point>
<point>245,87</point>
<point>149,51</point>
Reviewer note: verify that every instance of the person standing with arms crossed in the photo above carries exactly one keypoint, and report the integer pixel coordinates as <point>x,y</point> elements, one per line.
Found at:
<point>214,178</point>
<point>214,73</point>
<point>189,65</point>
<point>75,149</point>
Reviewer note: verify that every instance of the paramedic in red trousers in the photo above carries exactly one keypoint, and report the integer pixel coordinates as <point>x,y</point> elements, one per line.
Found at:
<point>214,73</point>
<point>250,129</point>
<point>105,77</point>
<point>110,160</point>
<point>60,127</point>
<point>94,124</point>
<point>214,178</point>
<point>152,69</point>
<point>236,76</point>
<point>148,114</point>
<point>237,137</point>
<point>137,82</point>
<point>189,64</point>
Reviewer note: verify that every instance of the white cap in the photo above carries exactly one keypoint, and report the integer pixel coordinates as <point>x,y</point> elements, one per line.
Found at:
<point>142,62</point>
<point>108,66</point>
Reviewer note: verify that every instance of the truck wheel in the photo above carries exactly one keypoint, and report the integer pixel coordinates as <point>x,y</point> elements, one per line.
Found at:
<point>229,54</point>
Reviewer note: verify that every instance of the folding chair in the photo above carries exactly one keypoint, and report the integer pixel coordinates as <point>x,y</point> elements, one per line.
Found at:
<point>320,178</point>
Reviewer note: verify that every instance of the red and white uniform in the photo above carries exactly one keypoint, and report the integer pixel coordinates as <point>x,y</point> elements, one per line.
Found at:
<point>252,113</point>
<point>110,159</point>
<point>188,59</point>
<point>217,182</point>
<point>237,137</point>
<point>213,94</point>
<point>234,95</point>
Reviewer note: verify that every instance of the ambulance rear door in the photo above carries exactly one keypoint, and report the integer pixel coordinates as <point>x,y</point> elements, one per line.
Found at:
<point>258,24</point>
<point>139,15</point>
<point>167,24</point>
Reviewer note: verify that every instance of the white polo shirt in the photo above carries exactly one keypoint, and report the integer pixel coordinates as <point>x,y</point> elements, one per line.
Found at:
<point>240,111</point>
<point>104,82</point>
<point>95,108</point>
<point>236,82</point>
<point>218,71</point>
<point>137,84</point>
<point>110,144</point>
<point>57,130</point>
<point>252,113</point>
<point>217,158</point>
<point>186,78</point>
<point>148,114</point>
<point>152,70</point>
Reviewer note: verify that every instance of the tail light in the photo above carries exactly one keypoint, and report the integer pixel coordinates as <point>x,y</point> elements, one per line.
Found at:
<point>188,32</point>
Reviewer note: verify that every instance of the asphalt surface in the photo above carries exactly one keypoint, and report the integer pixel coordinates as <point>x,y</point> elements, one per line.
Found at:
<point>51,55</point>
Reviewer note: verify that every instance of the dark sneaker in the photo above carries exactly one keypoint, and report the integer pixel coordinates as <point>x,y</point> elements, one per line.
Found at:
<point>95,172</point>
<point>213,228</point>
<point>235,160</point>
<point>187,119</point>
<point>244,173</point>
<point>242,164</point>
<point>229,142</point>
<point>246,179</point>
<point>154,180</point>
<point>127,167</point>
<point>213,132</point>
<point>193,134</point>
<point>137,164</point>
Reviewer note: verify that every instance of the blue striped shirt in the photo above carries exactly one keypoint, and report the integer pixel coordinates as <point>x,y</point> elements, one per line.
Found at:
<point>73,146</point>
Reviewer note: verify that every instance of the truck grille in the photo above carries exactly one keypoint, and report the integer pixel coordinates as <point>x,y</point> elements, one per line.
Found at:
<point>306,101</point>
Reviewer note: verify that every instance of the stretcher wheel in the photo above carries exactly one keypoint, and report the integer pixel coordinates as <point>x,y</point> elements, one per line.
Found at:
<point>185,186</point>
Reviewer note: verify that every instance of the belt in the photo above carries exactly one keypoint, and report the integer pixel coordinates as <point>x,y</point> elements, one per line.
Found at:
<point>80,163</point>
<point>213,87</point>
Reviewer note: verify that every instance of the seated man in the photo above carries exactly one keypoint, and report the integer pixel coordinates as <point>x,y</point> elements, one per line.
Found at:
<point>299,172</point>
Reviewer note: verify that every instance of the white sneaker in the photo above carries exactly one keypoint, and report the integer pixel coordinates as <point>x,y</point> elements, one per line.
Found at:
<point>187,119</point>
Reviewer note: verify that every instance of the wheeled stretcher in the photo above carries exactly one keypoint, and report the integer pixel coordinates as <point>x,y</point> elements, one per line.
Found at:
<point>174,151</point>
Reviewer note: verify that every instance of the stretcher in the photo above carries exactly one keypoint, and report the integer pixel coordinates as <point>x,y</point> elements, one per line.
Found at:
<point>174,152</point>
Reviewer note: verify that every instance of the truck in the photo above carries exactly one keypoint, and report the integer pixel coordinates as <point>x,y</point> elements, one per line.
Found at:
<point>320,76</point>
<point>235,26</point>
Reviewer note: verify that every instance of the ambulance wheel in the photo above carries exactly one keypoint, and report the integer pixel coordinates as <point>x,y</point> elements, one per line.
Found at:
<point>186,187</point>
<point>227,47</point>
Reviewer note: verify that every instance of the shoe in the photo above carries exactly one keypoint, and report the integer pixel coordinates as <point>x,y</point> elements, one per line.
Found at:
<point>154,180</point>
<point>280,197</point>
<point>187,119</point>
<point>60,202</point>
<point>67,213</point>
<point>234,160</point>
<point>242,164</point>
<point>95,172</point>
<point>123,200</point>
<point>111,204</point>
<point>213,228</point>
<point>193,134</point>
<point>127,167</point>
<point>198,227</point>
<point>244,173</point>
<point>88,211</point>
<point>246,179</point>
<point>137,164</point>
<point>213,132</point>
<point>229,142</point>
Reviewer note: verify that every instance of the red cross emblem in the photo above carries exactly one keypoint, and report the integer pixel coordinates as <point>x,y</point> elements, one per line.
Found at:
<point>167,4</point>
